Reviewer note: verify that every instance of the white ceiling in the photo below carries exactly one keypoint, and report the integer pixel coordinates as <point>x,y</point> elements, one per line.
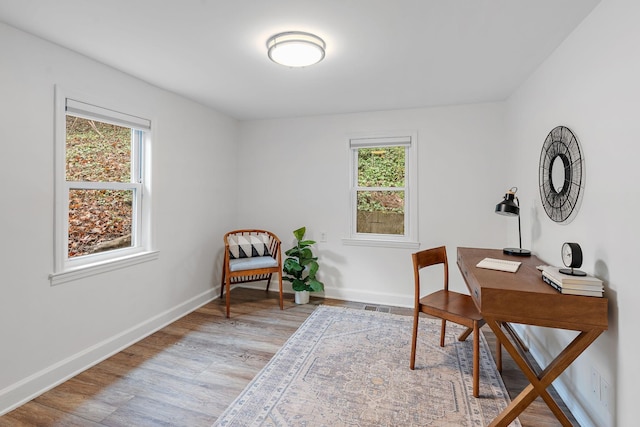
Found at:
<point>381,54</point>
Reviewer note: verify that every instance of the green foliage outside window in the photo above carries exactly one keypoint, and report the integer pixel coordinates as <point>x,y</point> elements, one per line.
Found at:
<point>381,167</point>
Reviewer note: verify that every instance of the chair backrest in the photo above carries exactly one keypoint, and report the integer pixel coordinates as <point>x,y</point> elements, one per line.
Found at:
<point>426,258</point>
<point>251,242</point>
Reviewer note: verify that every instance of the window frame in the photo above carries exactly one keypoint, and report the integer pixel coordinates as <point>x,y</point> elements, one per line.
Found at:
<point>84,106</point>
<point>408,139</point>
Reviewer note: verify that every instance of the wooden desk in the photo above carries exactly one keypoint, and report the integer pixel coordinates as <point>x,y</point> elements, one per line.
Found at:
<point>524,298</point>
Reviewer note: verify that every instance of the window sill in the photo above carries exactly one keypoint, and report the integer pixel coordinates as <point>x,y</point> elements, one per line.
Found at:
<point>102,267</point>
<point>350,241</point>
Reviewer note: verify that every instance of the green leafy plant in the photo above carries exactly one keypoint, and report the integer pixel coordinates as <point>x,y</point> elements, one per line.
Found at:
<point>301,266</point>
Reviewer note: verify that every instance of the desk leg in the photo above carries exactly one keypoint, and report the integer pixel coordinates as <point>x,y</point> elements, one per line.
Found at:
<point>539,384</point>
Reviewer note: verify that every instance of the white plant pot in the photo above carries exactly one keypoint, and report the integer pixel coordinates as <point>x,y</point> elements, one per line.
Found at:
<point>302,297</point>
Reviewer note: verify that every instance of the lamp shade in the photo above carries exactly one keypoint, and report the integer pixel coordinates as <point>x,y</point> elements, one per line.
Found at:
<point>508,206</point>
<point>295,49</point>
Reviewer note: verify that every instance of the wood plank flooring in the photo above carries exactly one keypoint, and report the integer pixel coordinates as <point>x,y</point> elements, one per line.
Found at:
<point>188,373</point>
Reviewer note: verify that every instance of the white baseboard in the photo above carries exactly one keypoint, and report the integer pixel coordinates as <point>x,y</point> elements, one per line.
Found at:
<point>355,295</point>
<point>30,387</point>
<point>368,297</point>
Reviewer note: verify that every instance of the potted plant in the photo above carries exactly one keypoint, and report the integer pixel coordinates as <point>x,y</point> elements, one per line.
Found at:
<point>300,268</point>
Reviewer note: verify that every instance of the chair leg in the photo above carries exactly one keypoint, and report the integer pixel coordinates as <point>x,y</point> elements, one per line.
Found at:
<point>443,330</point>
<point>499,356</point>
<point>414,339</point>
<point>463,336</point>
<point>222,283</point>
<point>228,286</point>
<point>268,282</point>
<point>280,290</point>
<point>476,359</point>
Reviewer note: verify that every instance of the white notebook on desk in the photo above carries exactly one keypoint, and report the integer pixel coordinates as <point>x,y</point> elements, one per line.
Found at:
<point>499,264</point>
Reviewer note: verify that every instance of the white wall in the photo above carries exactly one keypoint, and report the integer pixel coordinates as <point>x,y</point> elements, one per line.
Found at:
<point>294,173</point>
<point>592,85</point>
<point>48,333</point>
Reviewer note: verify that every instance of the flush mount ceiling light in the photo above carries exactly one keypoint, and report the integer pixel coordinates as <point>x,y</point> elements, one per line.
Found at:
<point>296,49</point>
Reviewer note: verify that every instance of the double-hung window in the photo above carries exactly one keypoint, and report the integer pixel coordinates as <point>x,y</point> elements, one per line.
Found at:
<point>383,190</point>
<point>102,183</point>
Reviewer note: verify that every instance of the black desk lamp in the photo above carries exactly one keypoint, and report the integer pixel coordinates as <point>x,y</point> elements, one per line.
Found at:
<point>510,206</point>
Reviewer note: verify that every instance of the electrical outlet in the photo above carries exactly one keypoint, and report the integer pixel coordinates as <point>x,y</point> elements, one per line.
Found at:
<point>595,383</point>
<point>605,397</point>
<point>323,236</point>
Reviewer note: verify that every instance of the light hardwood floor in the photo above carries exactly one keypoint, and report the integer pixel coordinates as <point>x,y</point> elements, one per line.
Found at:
<point>187,373</point>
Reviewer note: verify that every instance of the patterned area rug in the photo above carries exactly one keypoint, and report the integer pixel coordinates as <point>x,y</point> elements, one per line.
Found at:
<point>348,367</point>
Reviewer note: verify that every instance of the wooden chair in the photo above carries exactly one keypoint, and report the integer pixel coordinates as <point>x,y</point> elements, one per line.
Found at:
<point>250,256</point>
<point>446,305</point>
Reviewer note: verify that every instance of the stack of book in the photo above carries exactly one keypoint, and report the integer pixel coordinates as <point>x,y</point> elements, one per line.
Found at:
<point>572,285</point>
